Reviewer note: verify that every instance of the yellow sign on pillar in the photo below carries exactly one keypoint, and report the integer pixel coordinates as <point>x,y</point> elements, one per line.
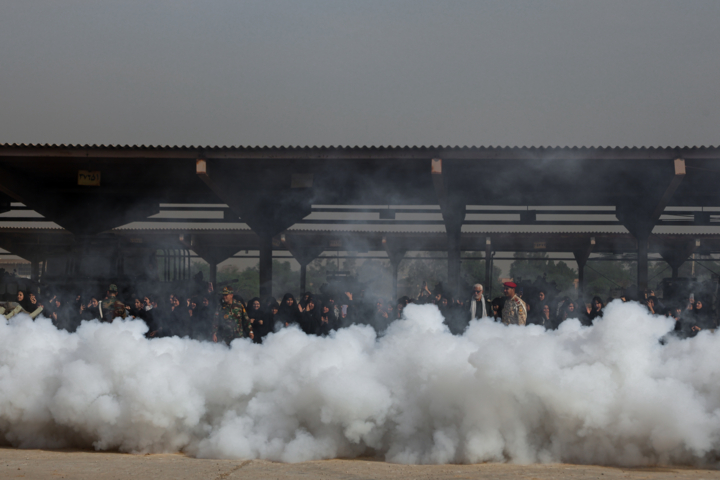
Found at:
<point>88,178</point>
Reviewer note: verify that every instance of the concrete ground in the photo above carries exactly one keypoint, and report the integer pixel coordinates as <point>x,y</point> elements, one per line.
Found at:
<point>43,464</point>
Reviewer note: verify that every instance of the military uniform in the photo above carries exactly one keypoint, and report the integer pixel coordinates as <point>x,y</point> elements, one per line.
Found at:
<point>111,307</point>
<point>231,320</point>
<point>514,312</point>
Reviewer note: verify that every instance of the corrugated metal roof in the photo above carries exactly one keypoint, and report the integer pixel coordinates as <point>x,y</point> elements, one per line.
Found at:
<point>356,147</point>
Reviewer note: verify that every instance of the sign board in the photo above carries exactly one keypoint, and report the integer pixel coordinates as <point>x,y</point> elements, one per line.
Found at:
<point>88,178</point>
<point>539,245</point>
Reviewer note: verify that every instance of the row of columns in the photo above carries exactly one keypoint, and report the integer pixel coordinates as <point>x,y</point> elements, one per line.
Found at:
<point>269,214</point>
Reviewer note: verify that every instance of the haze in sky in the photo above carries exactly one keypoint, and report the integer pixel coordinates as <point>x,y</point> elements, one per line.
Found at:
<point>416,72</point>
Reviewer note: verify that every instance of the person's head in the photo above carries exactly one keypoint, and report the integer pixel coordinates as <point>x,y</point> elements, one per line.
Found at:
<point>138,304</point>
<point>436,297</point>
<point>256,304</point>
<point>519,291</point>
<point>546,310</point>
<point>310,305</point>
<point>20,296</point>
<point>227,294</point>
<point>477,291</point>
<point>112,291</point>
<point>443,302</point>
<point>146,301</point>
<point>94,302</point>
<point>205,302</point>
<point>175,301</point>
<point>541,296</point>
<point>325,309</point>
<point>597,304</point>
<point>33,298</point>
<point>193,303</point>
<point>651,302</point>
<point>698,304</point>
<point>57,302</point>
<point>509,289</point>
<point>571,307</point>
<point>289,300</point>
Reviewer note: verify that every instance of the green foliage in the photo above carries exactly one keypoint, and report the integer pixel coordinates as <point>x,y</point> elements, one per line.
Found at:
<point>414,272</point>
<point>473,271</point>
<point>285,279</point>
<point>558,273</point>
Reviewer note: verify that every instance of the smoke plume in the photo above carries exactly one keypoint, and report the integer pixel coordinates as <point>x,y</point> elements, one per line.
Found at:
<point>608,394</point>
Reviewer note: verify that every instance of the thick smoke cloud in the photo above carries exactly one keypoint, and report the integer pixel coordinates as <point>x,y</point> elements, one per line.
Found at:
<point>609,394</point>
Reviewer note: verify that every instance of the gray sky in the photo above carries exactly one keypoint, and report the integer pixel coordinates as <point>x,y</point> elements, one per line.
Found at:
<point>360,73</point>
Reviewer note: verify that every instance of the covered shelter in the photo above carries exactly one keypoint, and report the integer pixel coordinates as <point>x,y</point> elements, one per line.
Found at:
<point>266,196</point>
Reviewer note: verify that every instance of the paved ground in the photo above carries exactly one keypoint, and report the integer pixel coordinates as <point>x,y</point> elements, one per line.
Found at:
<point>41,464</point>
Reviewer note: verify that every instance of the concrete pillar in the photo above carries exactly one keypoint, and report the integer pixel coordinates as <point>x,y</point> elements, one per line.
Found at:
<point>303,277</point>
<point>35,270</point>
<point>488,266</point>
<point>265,266</point>
<point>213,273</point>
<point>642,262</point>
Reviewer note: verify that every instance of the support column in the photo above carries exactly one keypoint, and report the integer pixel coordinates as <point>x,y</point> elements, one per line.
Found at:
<point>265,266</point>
<point>677,253</point>
<point>395,252</point>
<point>581,257</point>
<point>488,265</point>
<point>639,215</point>
<point>642,262</point>
<point>453,212</point>
<point>304,249</point>
<point>35,270</point>
<point>213,272</point>
<point>267,211</point>
<point>453,234</point>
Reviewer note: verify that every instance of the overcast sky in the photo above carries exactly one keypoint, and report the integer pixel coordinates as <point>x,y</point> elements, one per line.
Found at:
<point>229,72</point>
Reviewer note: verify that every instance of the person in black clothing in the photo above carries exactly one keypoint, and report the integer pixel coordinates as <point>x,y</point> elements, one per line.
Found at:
<point>328,320</point>
<point>310,317</point>
<point>91,310</point>
<point>257,319</point>
<point>596,309</point>
<point>289,313</point>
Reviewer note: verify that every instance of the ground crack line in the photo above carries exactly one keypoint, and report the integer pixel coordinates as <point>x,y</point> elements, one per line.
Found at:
<point>227,474</point>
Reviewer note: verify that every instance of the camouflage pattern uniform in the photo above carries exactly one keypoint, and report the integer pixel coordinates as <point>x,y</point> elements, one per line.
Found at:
<point>231,320</point>
<point>111,307</point>
<point>514,312</point>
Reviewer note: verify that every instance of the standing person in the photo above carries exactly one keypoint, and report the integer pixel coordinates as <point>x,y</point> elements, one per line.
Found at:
<point>310,317</point>
<point>289,312</point>
<point>257,319</point>
<point>515,311</point>
<point>596,309</point>
<point>546,319</point>
<point>111,307</point>
<point>328,320</point>
<point>230,319</point>
<point>479,307</point>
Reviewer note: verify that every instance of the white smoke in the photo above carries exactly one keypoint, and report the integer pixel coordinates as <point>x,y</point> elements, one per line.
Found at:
<point>609,394</point>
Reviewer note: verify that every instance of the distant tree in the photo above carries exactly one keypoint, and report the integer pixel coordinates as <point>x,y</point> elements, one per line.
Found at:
<point>415,270</point>
<point>541,265</point>
<point>473,271</point>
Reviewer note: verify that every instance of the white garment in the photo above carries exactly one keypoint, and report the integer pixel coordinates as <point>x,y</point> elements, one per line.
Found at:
<point>473,307</point>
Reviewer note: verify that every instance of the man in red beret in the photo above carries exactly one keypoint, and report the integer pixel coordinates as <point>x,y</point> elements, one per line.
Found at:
<point>515,311</point>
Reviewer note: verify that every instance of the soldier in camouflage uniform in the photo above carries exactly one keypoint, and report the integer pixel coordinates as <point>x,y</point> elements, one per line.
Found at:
<point>111,307</point>
<point>231,319</point>
<point>515,311</point>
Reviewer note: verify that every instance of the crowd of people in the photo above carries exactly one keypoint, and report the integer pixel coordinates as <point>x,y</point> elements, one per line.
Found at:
<point>221,316</point>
